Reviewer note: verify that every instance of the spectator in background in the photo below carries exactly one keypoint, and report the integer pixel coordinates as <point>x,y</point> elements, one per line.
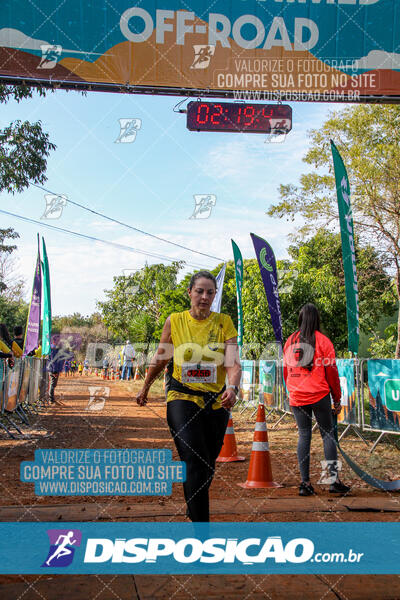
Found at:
<point>5,345</point>
<point>67,368</point>
<point>18,339</point>
<point>86,366</point>
<point>80,368</point>
<point>106,364</point>
<point>128,354</point>
<point>55,367</point>
<point>74,367</point>
<point>311,377</point>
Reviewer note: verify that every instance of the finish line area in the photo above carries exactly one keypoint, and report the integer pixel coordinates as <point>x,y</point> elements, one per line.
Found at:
<point>122,424</point>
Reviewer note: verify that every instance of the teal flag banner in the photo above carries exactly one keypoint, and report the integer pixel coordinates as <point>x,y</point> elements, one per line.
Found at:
<point>238,262</point>
<point>348,249</point>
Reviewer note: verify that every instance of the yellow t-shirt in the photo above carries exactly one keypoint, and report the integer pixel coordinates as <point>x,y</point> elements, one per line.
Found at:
<point>197,342</point>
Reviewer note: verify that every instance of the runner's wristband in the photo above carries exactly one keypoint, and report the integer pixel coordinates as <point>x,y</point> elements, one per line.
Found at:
<point>233,387</point>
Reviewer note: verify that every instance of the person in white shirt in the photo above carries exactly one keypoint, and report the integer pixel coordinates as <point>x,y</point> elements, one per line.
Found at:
<point>128,354</point>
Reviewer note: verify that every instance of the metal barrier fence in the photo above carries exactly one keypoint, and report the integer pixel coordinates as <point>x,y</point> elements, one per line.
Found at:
<point>23,389</point>
<point>263,381</point>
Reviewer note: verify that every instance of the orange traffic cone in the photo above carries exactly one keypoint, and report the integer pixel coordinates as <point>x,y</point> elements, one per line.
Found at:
<point>229,450</point>
<point>112,374</point>
<point>260,471</point>
<point>137,374</point>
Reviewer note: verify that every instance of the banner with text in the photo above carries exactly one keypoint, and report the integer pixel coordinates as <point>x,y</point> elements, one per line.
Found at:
<point>333,49</point>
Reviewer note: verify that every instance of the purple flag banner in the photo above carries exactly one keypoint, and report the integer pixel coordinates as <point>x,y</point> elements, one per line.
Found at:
<point>33,323</point>
<point>267,264</point>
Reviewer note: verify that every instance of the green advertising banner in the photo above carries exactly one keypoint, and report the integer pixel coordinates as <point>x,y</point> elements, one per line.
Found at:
<point>238,260</point>
<point>348,249</point>
<point>384,394</point>
<point>46,330</point>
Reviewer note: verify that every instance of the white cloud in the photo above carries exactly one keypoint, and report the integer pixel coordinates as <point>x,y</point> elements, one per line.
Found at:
<point>13,38</point>
<point>378,59</point>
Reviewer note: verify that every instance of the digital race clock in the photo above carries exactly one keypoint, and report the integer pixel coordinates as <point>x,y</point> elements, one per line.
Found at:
<point>239,117</point>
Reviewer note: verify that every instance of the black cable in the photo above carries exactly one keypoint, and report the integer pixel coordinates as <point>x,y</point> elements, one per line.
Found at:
<point>95,239</point>
<point>126,224</point>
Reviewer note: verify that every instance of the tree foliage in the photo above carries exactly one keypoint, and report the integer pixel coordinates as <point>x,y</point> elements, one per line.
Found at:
<point>368,138</point>
<point>135,307</point>
<point>24,146</point>
<point>13,310</point>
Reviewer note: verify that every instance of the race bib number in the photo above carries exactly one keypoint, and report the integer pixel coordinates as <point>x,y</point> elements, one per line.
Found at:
<point>201,373</point>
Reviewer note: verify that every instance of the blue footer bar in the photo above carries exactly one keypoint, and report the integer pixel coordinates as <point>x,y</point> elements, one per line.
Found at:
<point>186,548</point>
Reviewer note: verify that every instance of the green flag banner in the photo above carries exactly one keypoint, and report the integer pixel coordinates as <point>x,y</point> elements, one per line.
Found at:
<point>348,249</point>
<point>46,330</point>
<point>238,260</point>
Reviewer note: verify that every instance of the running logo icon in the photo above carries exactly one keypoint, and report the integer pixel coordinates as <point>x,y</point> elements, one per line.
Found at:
<point>202,56</point>
<point>128,130</point>
<point>62,547</point>
<point>50,56</point>
<point>204,204</point>
<point>54,206</point>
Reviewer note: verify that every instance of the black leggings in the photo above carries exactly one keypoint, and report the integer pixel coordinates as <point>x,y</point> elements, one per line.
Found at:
<point>198,435</point>
<point>303,415</point>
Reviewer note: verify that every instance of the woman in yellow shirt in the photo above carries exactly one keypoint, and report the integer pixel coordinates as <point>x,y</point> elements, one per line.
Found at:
<point>204,349</point>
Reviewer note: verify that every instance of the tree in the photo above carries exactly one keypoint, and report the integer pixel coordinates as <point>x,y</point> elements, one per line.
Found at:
<point>5,252</point>
<point>133,307</point>
<point>24,147</point>
<point>368,138</point>
<point>13,310</point>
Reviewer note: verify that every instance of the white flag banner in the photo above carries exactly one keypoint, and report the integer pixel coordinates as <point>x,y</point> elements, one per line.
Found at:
<point>216,305</point>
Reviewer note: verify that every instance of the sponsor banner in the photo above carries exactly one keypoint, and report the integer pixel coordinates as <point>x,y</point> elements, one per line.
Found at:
<point>238,260</point>
<point>31,341</point>
<point>201,548</point>
<point>46,330</point>
<point>330,49</point>
<point>12,386</point>
<point>103,472</point>
<point>384,394</point>
<point>246,388</point>
<point>24,380</point>
<point>348,249</point>
<point>346,369</point>
<point>267,382</point>
<point>267,264</point>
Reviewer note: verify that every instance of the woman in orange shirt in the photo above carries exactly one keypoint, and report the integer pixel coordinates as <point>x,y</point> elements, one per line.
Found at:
<point>311,378</point>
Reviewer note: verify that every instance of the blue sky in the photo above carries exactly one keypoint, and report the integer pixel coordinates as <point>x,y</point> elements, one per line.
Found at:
<point>149,184</point>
